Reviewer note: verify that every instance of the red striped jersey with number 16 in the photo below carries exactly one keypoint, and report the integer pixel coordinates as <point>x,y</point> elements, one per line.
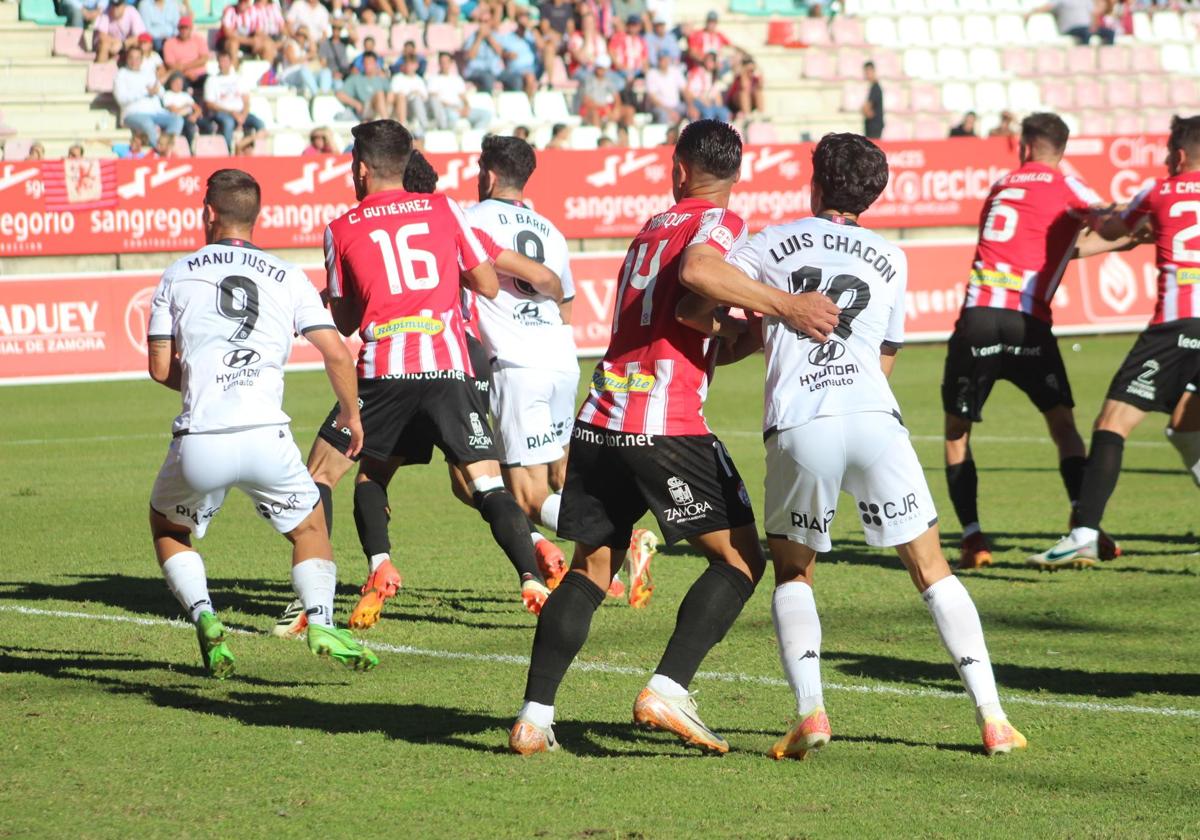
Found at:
<point>1173,205</point>
<point>1027,233</point>
<point>652,380</point>
<point>399,256</point>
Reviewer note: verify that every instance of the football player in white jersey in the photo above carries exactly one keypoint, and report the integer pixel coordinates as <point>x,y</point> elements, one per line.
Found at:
<point>527,334</point>
<point>220,332</point>
<point>831,423</point>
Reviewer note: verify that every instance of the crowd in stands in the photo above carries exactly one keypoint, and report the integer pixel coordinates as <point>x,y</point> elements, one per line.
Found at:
<point>614,58</point>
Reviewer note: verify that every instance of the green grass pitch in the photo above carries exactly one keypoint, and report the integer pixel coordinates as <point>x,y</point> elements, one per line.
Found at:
<point>108,728</point>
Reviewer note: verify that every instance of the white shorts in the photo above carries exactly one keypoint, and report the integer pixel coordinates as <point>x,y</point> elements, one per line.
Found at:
<point>535,412</point>
<point>263,462</point>
<point>869,456</point>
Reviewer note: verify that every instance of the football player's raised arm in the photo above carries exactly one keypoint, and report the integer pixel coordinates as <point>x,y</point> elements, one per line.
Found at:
<point>532,272</point>
<point>163,363</point>
<point>703,270</point>
<point>339,367</point>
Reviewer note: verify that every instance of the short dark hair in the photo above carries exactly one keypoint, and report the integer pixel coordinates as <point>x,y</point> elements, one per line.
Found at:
<point>711,146</point>
<point>1046,127</point>
<point>235,195</point>
<point>1185,134</point>
<point>850,170</point>
<point>383,145</point>
<point>420,176</point>
<point>868,65</point>
<point>510,158</point>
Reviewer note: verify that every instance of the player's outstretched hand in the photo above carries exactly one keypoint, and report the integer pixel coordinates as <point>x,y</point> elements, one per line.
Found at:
<point>354,424</point>
<point>812,314</point>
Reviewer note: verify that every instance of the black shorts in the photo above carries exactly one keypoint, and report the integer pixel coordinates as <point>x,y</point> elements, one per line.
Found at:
<point>689,482</point>
<point>991,344</point>
<point>415,446</point>
<point>1163,362</point>
<point>439,407</point>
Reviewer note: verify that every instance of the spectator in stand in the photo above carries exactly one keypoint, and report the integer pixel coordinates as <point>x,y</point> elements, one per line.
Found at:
<point>630,56</point>
<point>435,11</point>
<point>76,151</point>
<point>367,93</point>
<point>1006,127</point>
<point>672,135</point>
<point>520,50</point>
<point>745,95</point>
<point>72,10</point>
<point>599,96</point>
<point>139,146</point>
<point>271,14</point>
<point>165,146</point>
<point>560,137</point>
<point>244,31</point>
<point>334,55</point>
<point>310,15</point>
<point>448,97</point>
<point>585,45</point>
<point>36,151</point>
<point>410,51</point>
<point>604,142</point>
<point>661,41</point>
<point>116,29</point>
<point>151,60</point>
<point>320,142</point>
<point>602,11</point>
<point>388,12</point>
<point>368,46</point>
<point>412,98</point>
<point>666,91</point>
<point>872,107</point>
<point>187,53</point>
<point>484,55</point>
<point>90,11</point>
<point>663,10</point>
<point>161,18</point>
<point>300,69</point>
<point>136,90</point>
<point>179,101</point>
<point>707,99</point>
<point>556,21</point>
<point>227,105</point>
<point>1080,19</point>
<point>705,41</point>
<point>521,132</point>
<point>341,17</point>
<point>966,128</point>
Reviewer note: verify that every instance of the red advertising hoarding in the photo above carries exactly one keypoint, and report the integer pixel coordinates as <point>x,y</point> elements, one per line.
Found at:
<point>94,326</point>
<point>104,207</point>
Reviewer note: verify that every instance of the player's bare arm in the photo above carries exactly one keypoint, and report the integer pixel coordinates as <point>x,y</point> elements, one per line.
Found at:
<point>703,270</point>
<point>164,364</point>
<point>347,315</point>
<point>532,272</point>
<point>339,366</point>
<point>709,317</point>
<point>482,280</point>
<point>887,358</point>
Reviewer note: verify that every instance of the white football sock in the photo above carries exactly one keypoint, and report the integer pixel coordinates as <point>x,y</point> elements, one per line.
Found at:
<point>667,687</point>
<point>538,713</point>
<point>184,573</point>
<point>549,512</point>
<point>798,628</point>
<point>315,581</point>
<point>971,530</point>
<point>1187,444</point>
<point>958,624</point>
<point>377,560</point>
<point>1079,536</point>
<point>536,537</point>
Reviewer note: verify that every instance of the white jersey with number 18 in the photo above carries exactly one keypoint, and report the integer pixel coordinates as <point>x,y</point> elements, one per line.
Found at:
<point>862,273</point>
<point>232,310</point>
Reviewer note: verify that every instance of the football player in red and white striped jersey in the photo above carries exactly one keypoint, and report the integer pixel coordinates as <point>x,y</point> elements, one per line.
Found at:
<point>1163,367</point>
<point>641,443</point>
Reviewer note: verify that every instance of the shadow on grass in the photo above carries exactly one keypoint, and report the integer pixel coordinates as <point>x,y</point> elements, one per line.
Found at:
<point>1069,681</point>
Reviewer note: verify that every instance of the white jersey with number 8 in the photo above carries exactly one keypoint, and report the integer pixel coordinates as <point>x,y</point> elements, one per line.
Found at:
<point>862,273</point>
<point>232,310</point>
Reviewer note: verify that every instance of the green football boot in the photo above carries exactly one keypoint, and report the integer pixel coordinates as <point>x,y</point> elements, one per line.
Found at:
<point>337,643</point>
<point>218,659</point>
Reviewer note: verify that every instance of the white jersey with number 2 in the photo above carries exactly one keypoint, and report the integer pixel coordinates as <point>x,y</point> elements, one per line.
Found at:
<point>232,310</point>
<point>862,273</point>
<point>521,327</point>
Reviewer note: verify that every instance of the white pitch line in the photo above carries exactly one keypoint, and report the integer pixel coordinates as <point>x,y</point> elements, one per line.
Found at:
<point>625,670</point>
<point>94,439</point>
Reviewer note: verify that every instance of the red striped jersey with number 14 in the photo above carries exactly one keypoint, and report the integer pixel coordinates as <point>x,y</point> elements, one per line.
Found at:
<point>399,256</point>
<point>1027,232</point>
<point>1173,205</point>
<point>652,380</point>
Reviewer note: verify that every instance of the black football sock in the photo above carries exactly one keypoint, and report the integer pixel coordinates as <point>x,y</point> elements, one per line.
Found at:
<point>326,493</point>
<point>533,528</point>
<point>963,483</point>
<point>371,517</point>
<point>1100,477</point>
<point>562,628</point>
<point>1071,469</point>
<point>705,616</point>
<point>510,530</point>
